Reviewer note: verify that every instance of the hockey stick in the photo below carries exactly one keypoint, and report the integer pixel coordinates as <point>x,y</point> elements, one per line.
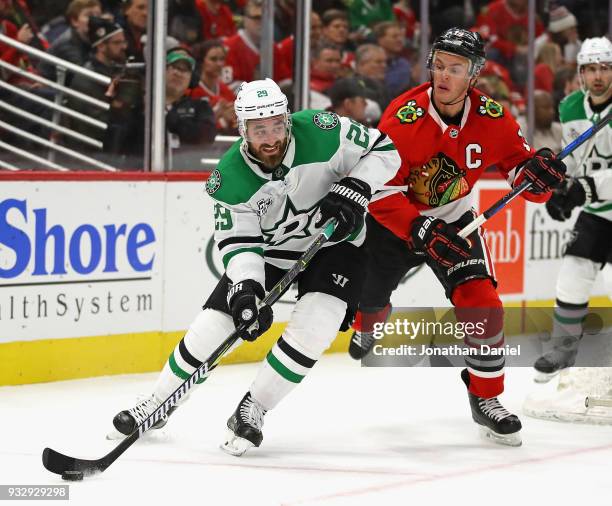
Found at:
<point>517,190</point>
<point>77,468</point>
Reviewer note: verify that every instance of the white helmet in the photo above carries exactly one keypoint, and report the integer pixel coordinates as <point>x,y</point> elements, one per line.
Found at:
<point>595,50</point>
<point>260,99</point>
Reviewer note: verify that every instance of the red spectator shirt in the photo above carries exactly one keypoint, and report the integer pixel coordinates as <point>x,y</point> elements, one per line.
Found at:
<point>405,17</point>
<point>285,53</point>
<point>243,59</point>
<point>216,26</point>
<point>441,163</point>
<point>223,91</point>
<point>544,77</point>
<point>9,53</point>
<point>505,29</point>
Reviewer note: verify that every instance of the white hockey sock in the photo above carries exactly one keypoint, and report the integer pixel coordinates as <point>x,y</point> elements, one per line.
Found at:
<point>208,330</point>
<point>567,322</point>
<point>302,344</point>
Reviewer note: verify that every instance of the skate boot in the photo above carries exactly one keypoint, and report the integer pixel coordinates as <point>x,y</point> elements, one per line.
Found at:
<point>128,420</point>
<point>363,339</point>
<point>552,362</point>
<point>244,427</point>
<point>497,423</point>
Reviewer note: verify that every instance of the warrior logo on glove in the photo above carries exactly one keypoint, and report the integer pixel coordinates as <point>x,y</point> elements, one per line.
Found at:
<point>346,202</point>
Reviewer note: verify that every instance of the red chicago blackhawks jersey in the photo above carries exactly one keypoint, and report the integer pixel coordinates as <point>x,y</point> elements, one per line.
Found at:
<point>440,162</point>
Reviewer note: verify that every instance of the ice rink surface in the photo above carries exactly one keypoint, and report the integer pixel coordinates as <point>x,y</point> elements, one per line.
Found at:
<point>347,435</point>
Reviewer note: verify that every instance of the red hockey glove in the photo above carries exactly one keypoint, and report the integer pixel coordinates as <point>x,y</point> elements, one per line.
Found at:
<point>544,171</point>
<point>439,241</point>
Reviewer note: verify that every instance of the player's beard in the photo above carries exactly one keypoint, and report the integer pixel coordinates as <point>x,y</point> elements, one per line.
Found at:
<point>272,161</point>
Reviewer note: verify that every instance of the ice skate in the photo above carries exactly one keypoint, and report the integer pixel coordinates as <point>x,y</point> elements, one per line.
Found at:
<point>559,358</point>
<point>244,427</point>
<point>362,340</point>
<point>128,420</point>
<point>361,344</point>
<point>496,422</point>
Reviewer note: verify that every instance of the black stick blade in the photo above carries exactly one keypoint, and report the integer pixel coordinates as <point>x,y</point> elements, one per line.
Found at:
<point>59,463</point>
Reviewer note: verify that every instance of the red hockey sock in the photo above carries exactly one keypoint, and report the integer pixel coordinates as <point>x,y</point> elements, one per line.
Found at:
<point>477,301</point>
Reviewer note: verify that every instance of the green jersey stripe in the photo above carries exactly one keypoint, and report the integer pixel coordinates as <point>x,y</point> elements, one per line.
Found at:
<point>232,254</point>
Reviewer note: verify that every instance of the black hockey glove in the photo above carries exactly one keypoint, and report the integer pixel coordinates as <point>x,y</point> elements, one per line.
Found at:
<point>242,300</point>
<point>347,202</point>
<point>580,191</point>
<point>439,240</point>
<point>544,171</point>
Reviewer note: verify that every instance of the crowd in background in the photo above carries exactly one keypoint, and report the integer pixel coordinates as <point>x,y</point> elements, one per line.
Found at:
<point>363,54</point>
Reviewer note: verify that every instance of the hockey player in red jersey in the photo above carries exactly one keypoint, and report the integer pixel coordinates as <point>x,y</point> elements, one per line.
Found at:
<point>448,133</point>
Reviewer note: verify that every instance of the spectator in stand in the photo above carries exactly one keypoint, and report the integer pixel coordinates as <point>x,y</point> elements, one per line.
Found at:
<point>243,50</point>
<point>22,34</point>
<point>364,14</point>
<point>73,45</point>
<point>548,132</point>
<point>189,121</point>
<point>348,99</point>
<point>109,48</point>
<point>563,31</point>
<point>335,30</point>
<point>503,23</point>
<point>390,37</point>
<point>406,18</point>
<point>325,67</point>
<point>285,46</point>
<point>184,21</point>
<point>284,19</point>
<point>566,82</point>
<point>217,20</point>
<point>370,68</point>
<point>547,63</point>
<point>211,55</point>
<point>135,26</point>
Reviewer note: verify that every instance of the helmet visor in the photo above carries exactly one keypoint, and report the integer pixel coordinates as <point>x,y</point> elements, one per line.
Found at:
<point>458,67</point>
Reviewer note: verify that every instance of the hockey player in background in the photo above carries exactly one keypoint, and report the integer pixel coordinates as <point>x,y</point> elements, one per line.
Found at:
<point>447,134</point>
<point>273,192</point>
<point>590,188</point>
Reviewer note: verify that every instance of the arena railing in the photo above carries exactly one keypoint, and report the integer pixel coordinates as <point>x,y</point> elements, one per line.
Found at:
<point>62,68</point>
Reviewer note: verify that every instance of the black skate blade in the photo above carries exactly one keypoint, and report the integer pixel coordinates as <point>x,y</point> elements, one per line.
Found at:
<point>59,463</point>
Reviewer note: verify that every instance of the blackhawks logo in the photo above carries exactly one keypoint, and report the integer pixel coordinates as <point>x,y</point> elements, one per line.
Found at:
<point>326,120</point>
<point>438,182</point>
<point>410,112</point>
<point>490,107</point>
<point>213,183</point>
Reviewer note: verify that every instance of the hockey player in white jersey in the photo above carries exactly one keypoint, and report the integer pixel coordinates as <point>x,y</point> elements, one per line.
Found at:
<point>590,188</point>
<point>273,191</point>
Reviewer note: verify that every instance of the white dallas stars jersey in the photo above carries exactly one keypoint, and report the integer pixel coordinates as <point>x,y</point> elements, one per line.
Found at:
<point>261,216</point>
<point>594,157</point>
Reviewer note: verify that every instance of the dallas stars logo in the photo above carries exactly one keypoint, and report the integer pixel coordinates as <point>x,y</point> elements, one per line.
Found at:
<point>213,183</point>
<point>596,161</point>
<point>326,120</point>
<point>410,112</point>
<point>293,224</point>
<point>490,107</point>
